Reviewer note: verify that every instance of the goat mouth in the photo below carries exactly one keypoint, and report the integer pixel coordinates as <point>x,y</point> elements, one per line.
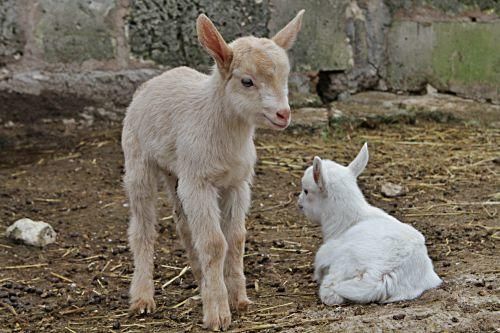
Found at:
<point>279,126</point>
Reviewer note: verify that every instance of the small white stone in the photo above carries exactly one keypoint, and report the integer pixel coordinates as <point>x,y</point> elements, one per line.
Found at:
<point>40,77</point>
<point>391,190</point>
<point>31,232</point>
<point>430,90</point>
<point>388,104</point>
<point>4,74</point>
<point>336,113</point>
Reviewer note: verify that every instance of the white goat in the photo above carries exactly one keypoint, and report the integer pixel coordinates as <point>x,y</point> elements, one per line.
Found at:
<point>367,255</point>
<point>196,131</point>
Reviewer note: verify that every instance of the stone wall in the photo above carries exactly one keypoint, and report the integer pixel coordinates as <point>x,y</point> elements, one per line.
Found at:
<point>11,45</point>
<point>165,31</point>
<point>346,46</point>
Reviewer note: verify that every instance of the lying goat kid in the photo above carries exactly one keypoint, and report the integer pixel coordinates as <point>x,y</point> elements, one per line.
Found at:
<point>196,131</point>
<point>367,255</point>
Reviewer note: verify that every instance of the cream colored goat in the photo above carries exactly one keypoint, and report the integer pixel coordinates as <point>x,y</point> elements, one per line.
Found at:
<point>196,131</point>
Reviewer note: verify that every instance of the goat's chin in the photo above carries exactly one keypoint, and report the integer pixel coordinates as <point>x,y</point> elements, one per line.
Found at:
<point>267,122</point>
<point>313,218</point>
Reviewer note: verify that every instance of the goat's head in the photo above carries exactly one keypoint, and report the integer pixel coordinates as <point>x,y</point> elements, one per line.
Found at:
<point>327,182</point>
<point>255,71</point>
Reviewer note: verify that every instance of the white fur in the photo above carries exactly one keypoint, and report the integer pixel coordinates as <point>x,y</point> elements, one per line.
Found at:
<point>196,131</point>
<point>367,255</point>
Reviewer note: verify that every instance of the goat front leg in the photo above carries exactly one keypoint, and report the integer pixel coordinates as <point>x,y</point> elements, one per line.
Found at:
<point>200,204</point>
<point>235,204</point>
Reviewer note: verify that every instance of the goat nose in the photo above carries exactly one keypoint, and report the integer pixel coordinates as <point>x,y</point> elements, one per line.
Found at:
<point>283,114</point>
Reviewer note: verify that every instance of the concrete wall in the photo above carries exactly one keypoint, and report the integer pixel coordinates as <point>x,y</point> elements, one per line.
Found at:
<point>453,45</point>
<point>460,57</point>
<point>346,46</point>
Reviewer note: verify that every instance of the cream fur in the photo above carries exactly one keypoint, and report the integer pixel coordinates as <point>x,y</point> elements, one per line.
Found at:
<point>196,131</point>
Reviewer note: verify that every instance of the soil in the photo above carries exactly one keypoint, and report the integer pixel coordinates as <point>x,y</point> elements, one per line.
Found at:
<point>68,173</point>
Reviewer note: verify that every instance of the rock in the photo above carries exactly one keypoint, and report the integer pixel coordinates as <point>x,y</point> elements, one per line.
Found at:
<point>399,316</point>
<point>4,74</point>
<point>69,126</point>
<point>430,90</point>
<point>391,190</point>
<point>116,325</point>
<point>9,124</point>
<point>358,312</point>
<point>31,232</point>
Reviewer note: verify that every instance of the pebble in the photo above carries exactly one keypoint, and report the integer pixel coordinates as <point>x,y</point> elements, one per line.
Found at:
<point>14,293</point>
<point>391,190</point>
<point>358,312</point>
<point>117,325</point>
<point>400,316</point>
<point>29,289</point>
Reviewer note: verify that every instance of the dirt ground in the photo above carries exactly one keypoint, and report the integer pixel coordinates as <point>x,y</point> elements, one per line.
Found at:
<point>68,173</point>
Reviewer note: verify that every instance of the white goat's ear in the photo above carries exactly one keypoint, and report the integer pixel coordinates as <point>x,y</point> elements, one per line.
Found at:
<point>287,36</point>
<point>318,173</point>
<point>359,163</point>
<point>210,38</point>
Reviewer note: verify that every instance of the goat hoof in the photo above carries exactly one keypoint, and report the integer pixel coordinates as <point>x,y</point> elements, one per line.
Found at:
<point>332,299</point>
<point>242,305</point>
<point>217,321</point>
<point>142,307</point>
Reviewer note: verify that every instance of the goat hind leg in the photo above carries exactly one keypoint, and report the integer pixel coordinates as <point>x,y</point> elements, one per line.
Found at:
<point>182,226</point>
<point>141,186</point>
<point>327,292</point>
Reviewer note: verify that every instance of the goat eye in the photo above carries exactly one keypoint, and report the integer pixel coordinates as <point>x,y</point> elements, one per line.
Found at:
<point>247,82</point>
<point>305,192</point>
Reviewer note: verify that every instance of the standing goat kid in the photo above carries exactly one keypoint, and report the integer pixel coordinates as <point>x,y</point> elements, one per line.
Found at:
<point>367,255</point>
<point>196,131</point>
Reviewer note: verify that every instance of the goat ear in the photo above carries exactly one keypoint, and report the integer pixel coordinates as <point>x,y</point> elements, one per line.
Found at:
<point>318,173</point>
<point>210,38</point>
<point>359,163</point>
<point>287,36</point>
